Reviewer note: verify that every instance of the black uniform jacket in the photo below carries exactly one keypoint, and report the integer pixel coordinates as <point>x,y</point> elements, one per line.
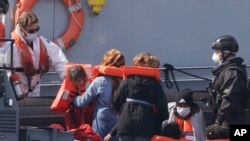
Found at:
<point>230,84</point>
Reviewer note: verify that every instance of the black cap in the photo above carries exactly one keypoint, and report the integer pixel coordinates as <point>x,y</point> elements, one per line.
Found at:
<point>186,95</point>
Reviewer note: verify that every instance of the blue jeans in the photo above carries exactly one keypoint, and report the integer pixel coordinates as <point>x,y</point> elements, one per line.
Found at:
<point>104,121</point>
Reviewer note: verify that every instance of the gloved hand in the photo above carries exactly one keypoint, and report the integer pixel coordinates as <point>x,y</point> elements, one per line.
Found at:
<point>217,123</point>
<point>218,120</point>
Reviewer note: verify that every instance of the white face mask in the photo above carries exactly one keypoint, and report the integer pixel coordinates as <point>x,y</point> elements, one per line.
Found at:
<point>216,57</point>
<point>183,112</point>
<point>31,37</point>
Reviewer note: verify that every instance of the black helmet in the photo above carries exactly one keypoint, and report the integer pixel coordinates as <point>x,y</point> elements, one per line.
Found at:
<point>226,42</point>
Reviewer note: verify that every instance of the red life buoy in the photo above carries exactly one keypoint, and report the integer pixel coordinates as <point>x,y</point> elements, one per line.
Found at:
<point>76,21</point>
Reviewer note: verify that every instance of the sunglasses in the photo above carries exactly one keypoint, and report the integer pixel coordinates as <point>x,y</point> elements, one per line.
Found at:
<point>31,31</point>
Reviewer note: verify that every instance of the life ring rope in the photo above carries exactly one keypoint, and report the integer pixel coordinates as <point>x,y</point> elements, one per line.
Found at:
<point>73,8</point>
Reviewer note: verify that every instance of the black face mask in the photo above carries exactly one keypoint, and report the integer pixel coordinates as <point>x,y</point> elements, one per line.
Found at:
<point>4,6</point>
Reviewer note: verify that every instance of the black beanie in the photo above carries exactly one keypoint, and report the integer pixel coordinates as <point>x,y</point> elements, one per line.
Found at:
<point>186,94</point>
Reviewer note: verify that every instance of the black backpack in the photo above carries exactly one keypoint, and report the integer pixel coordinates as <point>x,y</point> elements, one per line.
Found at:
<point>246,96</point>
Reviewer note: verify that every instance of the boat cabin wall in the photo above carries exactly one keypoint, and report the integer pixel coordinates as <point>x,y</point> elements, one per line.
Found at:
<point>178,32</point>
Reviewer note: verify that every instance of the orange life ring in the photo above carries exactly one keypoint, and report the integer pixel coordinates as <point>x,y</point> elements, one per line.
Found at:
<point>72,33</point>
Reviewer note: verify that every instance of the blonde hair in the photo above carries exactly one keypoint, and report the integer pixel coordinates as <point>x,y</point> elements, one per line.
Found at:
<point>113,58</point>
<point>27,19</point>
<point>146,59</point>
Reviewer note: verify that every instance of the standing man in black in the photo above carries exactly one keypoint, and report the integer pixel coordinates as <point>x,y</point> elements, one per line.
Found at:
<point>230,81</point>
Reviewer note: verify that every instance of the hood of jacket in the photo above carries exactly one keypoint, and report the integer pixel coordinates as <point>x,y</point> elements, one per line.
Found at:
<point>141,85</point>
<point>234,61</point>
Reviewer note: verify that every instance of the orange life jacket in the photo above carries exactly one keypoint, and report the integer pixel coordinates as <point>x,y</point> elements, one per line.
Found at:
<point>186,128</point>
<point>2,30</point>
<point>74,117</point>
<point>26,58</point>
<point>106,70</point>
<point>162,138</point>
<point>138,70</point>
<point>66,91</point>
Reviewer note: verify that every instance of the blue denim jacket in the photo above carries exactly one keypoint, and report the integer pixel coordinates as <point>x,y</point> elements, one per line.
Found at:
<point>104,117</point>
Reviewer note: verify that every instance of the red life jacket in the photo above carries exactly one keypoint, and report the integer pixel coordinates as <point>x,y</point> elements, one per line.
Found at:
<point>2,31</point>
<point>162,138</point>
<point>67,89</point>
<point>138,70</point>
<point>74,117</point>
<point>26,58</point>
<point>186,128</point>
<point>85,133</point>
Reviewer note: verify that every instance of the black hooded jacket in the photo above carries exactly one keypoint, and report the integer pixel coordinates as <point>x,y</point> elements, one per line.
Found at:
<point>137,118</point>
<point>230,83</point>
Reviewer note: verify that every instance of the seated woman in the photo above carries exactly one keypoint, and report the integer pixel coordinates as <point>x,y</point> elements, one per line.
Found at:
<point>188,116</point>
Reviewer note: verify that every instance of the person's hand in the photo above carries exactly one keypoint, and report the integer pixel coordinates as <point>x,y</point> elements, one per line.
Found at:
<point>71,97</point>
<point>217,123</point>
<point>108,137</point>
<point>218,120</point>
